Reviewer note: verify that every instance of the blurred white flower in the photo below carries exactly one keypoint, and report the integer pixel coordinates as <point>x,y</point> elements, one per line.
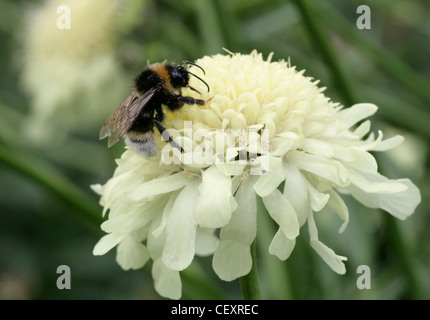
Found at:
<point>169,211</point>
<point>66,71</point>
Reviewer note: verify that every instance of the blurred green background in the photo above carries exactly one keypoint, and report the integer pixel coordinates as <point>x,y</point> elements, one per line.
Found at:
<point>57,86</point>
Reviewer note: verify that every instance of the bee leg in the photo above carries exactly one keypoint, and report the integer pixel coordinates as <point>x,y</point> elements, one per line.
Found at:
<point>166,136</point>
<point>160,115</point>
<point>190,100</point>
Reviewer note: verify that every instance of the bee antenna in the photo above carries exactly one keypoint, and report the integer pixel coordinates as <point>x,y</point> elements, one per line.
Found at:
<point>200,79</point>
<point>196,65</point>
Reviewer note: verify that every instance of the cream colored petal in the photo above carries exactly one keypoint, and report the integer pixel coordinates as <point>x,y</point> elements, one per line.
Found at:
<point>156,241</point>
<point>281,246</point>
<point>352,115</point>
<point>231,169</point>
<point>166,212</point>
<point>137,218</point>
<point>167,282</point>
<point>356,158</point>
<point>375,183</point>
<point>251,106</point>
<point>107,242</point>
<point>283,213</point>
<point>388,144</point>
<point>97,188</point>
<point>232,259</point>
<point>328,255</point>
<point>318,148</point>
<point>131,254</point>
<point>328,169</point>
<point>401,204</point>
<point>362,129</point>
<point>272,178</point>
<point>180,230</point>
<point>318,200</point>
<point>339,207</point>
<point>158,186</point>
<point>206,241</point>
<point>243,223</point>
<point>296,192</point>
<point>215,201</point>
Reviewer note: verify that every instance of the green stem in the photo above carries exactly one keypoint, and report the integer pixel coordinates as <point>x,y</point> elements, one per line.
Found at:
<point>86,209</point>
<point>249,282</point>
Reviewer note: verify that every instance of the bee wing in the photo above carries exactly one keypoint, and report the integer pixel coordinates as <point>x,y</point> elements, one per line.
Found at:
<point>124,116</point>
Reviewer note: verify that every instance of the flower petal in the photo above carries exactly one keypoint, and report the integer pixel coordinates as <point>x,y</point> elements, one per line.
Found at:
<point>401,204</point>
<point>131,254</point>
<point>375,183</point>
<point>388,144</point>
<point>328,255</point>
<point>339,207</point>
<point>281,246</point>
<point>215,203</point>
<point>159,186</point>
<point>329,169</point>
<point>296,192</point>
<point>167,282</point>
<point>283,213</point>
<point>232,259</point>
<point>318,200</point>
<point>271,179</point>
<point>354,114</point>
<point>206,241</point>
<point>107,242</point>
<point>181,230</point>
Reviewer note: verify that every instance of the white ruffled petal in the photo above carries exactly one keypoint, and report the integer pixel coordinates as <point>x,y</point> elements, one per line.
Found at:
<point>206,241</point>
<point>283,213</point>
<point>158,186</point>
<point>318,200</point>
<point>362,129</point>
<point>375,183</point>
<point>328,169</point>
<point>271,179</point>
<point>167,282</point>
<point>131,254</point>
<point>215,202</point>
<point>400,204</point>
<point>339,207</point>
<point>352,115</point>
<point>107,242</point>
<point>281,246</point>
<point>296,192</point>
<point>232,259</point>
<point>328,255</point>
<point>180,230</point>
<point>356,158</point>
<point>388,144</point>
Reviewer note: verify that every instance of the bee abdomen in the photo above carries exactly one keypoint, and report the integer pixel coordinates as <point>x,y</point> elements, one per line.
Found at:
<point>142,143</point>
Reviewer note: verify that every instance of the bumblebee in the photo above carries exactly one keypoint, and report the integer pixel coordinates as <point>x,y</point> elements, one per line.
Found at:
<point>157,85</point>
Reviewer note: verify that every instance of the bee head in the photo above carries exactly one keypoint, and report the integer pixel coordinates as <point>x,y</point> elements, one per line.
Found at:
<point>179,76</point>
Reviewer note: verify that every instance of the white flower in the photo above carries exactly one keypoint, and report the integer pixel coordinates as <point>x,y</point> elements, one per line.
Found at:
<point>308,149</point>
